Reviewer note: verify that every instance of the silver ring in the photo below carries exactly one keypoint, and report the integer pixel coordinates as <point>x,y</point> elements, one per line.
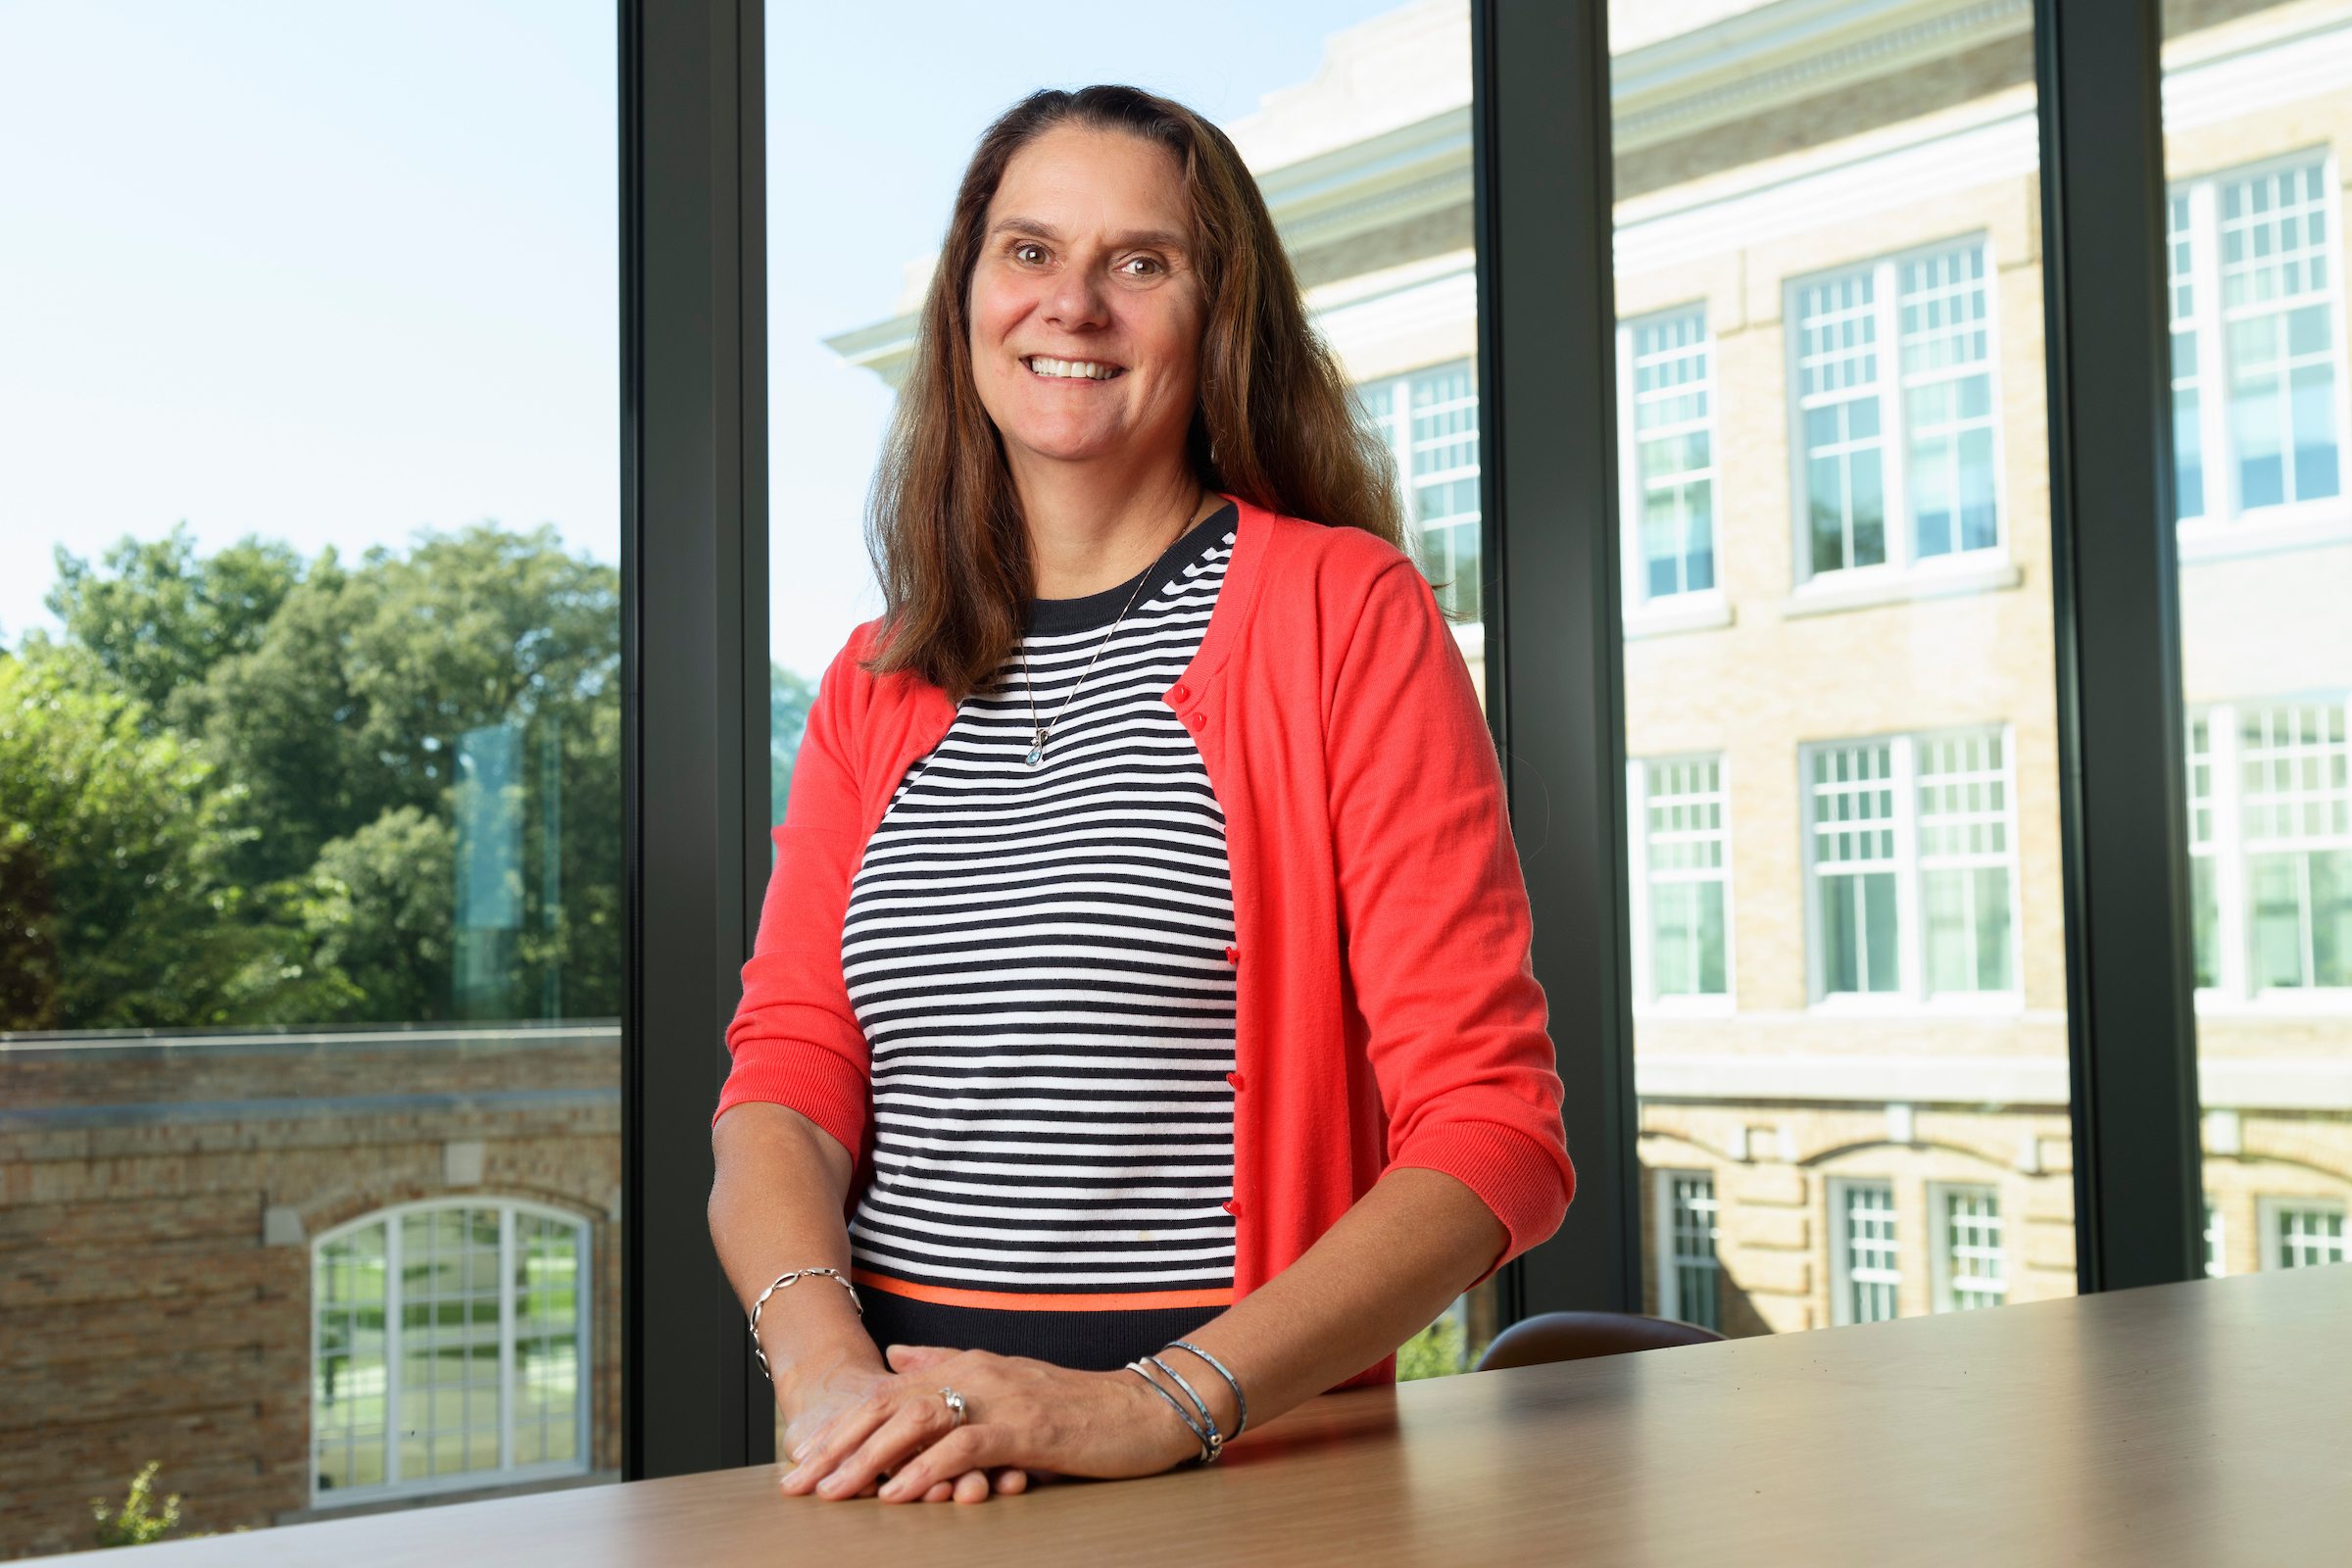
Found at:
<point>955,1406</point>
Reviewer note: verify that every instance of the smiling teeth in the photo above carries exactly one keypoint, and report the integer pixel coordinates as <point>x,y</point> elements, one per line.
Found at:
<point>1066,368</point>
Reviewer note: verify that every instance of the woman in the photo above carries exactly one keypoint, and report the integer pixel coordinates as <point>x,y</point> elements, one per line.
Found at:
<point>1141,1020</point>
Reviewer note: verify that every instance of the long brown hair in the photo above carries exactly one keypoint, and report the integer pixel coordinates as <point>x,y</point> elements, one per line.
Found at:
<point>1276,421</point>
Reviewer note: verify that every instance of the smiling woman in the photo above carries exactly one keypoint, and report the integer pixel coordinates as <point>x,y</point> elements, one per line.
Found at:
<point>1156,685</point>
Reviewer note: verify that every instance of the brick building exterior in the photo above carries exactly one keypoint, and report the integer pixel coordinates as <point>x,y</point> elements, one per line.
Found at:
<point>160,1207</point>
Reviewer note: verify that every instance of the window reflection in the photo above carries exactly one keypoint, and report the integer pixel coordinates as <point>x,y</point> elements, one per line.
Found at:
<point>2258,107</point>
<point>1848,920</point>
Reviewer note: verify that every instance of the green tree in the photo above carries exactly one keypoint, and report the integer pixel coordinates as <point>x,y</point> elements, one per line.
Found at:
<point>115,909</point>
<point>378,918</point>
<point>293,737</point>
<point>157,619</point>
<point>789,695</point>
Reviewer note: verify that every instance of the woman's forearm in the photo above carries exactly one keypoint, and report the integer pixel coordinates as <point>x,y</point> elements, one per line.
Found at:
<point>1392,1264</point>
<point>775,1206</point>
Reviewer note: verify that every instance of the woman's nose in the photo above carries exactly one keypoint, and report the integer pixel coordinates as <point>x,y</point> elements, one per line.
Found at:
<point>1075,298</point>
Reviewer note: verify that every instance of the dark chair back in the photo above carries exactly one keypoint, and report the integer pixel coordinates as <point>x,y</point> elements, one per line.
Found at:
<point>1573,1336</point>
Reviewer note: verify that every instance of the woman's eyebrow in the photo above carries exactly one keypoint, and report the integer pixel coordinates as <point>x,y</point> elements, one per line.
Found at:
<point>1162,239</point>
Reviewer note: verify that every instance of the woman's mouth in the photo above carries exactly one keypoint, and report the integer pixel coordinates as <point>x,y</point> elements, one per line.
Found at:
<point>1047,368</point>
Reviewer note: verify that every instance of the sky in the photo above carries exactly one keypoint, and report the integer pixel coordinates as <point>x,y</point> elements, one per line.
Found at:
<point>336,272</point>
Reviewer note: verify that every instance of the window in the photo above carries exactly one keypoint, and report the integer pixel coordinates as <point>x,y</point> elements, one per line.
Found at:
<point>2256,343</point>
<point>1430,418</point>
<point>1896,452</point>
<point>1912,854</point>
<point>1667,425</point>
<point>1868,1276</point>
<point>2302,1232</point>
<point>1688,1282</point>
<point>2270,846</point>
<point>2254,249</point>
<point>1682,883</point>
<point>1971,1270</point>
<point>449,1348</point>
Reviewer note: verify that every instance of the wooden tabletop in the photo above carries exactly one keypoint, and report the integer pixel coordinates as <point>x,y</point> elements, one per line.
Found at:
<point>2202,1423</point>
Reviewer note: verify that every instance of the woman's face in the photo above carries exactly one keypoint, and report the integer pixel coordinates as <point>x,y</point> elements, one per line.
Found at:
<point>1086,310</point>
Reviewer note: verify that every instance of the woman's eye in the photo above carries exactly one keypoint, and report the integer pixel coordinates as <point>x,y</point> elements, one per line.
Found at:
<point>1151,262</point>
<point>1022,249</point>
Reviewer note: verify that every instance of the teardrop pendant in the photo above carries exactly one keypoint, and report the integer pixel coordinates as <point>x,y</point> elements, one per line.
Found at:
<point>1037,749</point>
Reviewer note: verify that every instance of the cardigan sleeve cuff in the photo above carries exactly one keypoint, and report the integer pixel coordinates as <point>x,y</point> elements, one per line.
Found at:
<point>1527,1183</point>
<point>823,1086</point>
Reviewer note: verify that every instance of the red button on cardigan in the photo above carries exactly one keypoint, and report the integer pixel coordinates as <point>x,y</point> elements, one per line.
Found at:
<point>1372,864</point>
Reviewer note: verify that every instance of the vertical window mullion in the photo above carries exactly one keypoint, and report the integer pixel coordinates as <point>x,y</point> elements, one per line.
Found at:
<point>1637,797</point>
<point>506,1335</point>
<point>2229,860</point>
<point>1894,430</point>
<point>1909,940</point>
<point>395,1353</point>
<point>2213,351</point>
<point>1633,564</point>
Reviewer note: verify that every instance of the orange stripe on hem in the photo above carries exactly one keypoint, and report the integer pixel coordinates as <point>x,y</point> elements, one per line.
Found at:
<point>1018,1302</point>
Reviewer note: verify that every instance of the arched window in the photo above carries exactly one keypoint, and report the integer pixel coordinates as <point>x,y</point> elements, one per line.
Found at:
<point>449,1347</point>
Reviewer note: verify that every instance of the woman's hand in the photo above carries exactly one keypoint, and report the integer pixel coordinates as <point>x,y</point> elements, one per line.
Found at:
<point>1018,1411</point>
<point>813,1401</point>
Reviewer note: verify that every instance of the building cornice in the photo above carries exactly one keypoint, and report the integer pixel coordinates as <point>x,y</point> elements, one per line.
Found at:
<point>1759,60</point>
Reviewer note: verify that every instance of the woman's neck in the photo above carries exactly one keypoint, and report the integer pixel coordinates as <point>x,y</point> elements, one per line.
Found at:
<point>1092,529</point>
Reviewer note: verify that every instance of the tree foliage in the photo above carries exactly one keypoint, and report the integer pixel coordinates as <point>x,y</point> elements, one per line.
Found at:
<point>244,788</point>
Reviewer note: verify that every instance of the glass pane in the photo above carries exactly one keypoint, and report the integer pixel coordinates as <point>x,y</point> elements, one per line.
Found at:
<point>309,728</point>
<point>1390,284</point>
<point>2266,570</point>
<point>1865,282</point>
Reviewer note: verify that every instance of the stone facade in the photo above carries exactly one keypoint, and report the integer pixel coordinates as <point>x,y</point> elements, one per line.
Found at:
<point>158,1202</point>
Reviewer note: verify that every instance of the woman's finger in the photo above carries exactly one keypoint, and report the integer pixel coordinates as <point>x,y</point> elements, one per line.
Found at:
<point>941,1490</point>
<point>1010,1479</point>
<point>844,1432</point>
<point>908,1432</point>
<point>915,1357</point>
<point>971,1487</point>
<point>965,1448</point>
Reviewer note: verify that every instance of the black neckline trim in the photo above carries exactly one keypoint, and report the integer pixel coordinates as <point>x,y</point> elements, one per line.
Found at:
<point>1051,618</point>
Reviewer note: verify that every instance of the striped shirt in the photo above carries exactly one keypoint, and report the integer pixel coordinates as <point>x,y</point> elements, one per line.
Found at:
<point>1039,959</point>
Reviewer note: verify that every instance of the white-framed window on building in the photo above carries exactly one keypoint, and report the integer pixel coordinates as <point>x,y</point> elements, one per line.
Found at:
<point>1682,882</point>
<point>2302,1232</point>
<point>1911,859</point>
<point>1971,1255</point>
<point>1666,434</point>
<point>449,1348</point>
<point>1430,419</point>
<point>1896,443</point>
<point>2259,415</point>
<point>2270,849</point>
<point>1869,1279</point>
<point>1689,1275</point>
<point>2217,1261</point>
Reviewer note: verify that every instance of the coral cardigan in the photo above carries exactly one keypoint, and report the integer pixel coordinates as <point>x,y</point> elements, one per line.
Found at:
<point>1385,1010</point>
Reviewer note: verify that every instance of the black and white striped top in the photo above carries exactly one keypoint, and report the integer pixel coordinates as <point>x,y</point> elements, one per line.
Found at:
<point>1040,957</point>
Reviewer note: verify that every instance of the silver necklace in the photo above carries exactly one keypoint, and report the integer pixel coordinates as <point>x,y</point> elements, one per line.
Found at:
<point>1037,744</point>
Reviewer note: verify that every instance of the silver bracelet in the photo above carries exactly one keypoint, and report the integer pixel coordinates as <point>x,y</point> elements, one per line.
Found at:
<point>784,1279</point>
<point>1241,1404</point>
<point>1216,1439</point>
<point>1207,1454</point>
